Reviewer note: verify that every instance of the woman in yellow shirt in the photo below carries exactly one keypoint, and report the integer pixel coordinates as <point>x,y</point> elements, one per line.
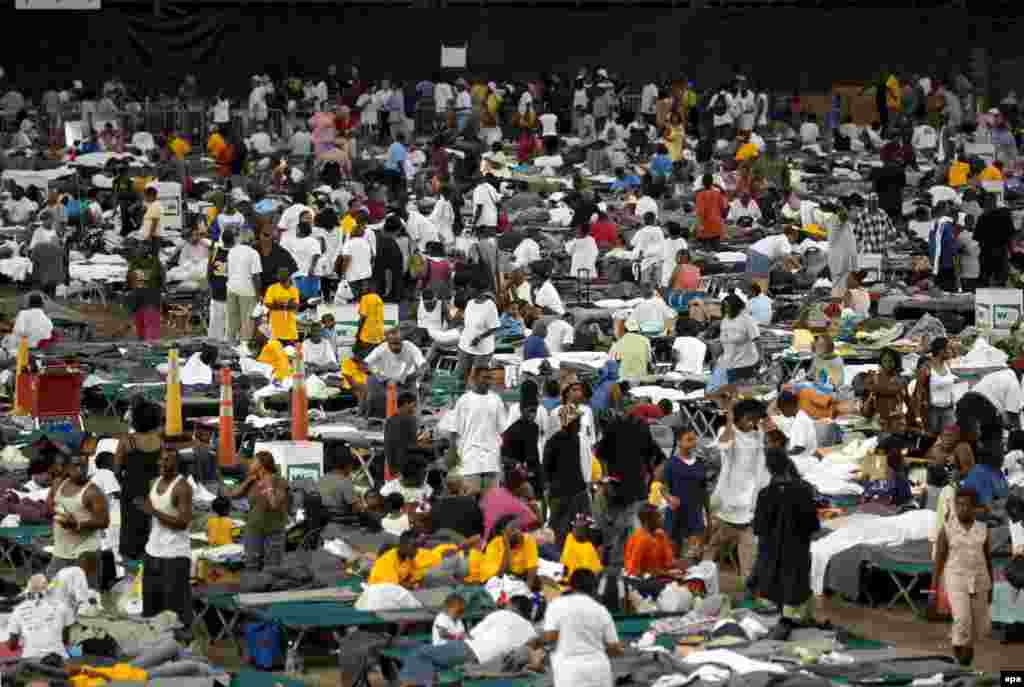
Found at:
<point>992,172</point>
<point>282,300</point>
<point>579,551</point>
<point>509,552</point>
<point>675,136</point>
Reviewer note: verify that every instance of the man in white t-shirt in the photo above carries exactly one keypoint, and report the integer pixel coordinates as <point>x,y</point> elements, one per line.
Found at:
<point>649,102</point>
<point>357,257</point>
<point>500,633</point>
<point>41,624</point>
<point>478,419</point>
<point>560,335</point>
<point>258,100</point>
<point>722,107</point>
<point>243,287</point>
<point>547,298</point>
<point>261,143</point>
<point>476,343</point>
<point>525,254</point>
<point>653,314</point>
<point>797,425</point>
<point>583,633</point>
<point>809,131</point>
<point>1003,390</point>
<point>303,246</point>
<point>647,245</point>
<point>485,203</point>
<point>301,142</point>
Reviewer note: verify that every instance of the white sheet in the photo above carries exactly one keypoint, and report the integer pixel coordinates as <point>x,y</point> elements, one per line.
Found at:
<point>868,529</point>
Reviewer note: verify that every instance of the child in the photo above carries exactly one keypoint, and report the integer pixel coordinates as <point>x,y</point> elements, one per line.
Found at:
<point>328,331</point>
<point>686,479</point>
<point>579,551</point>
<point>448,625</point>
<point>318,352</point>
<point>658,496</point>
<point>397,520</point>
<point>218,527</point>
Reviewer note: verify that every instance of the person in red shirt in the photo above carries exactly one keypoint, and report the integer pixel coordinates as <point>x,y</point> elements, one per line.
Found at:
<point>648,550</point>
<point>604,231</point>
<point>649,411</point>
<point>711,209</point>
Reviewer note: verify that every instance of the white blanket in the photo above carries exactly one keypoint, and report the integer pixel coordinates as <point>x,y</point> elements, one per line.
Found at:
<point>872,530</point>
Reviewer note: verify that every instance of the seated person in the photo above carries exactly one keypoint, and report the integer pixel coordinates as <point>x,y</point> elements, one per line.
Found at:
<point>458,512</point>
<point>623,181</point>
<point>857,298</point>
<point>272,353</point>
<point>354,375</point>
<point>411,485</point>
<point>318,353</point>
<point>509,552</point>
<point>535,345</point>
<point>579,552</point>
<point>648,549</point>
<point>500,633</point>
<point>988,481</point>
<point>797,425</point>
<point>219,526</point>
<point>41,624</point>
<point>895,490</point>
<point>398,564</point>
<point>396,519</point>
<point>448,625</point>
<point>511,323</point>
<point>336,489</point>
<point>401,435</point>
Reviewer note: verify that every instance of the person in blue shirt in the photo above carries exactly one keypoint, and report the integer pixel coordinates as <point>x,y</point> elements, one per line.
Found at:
<point>943,247</point>
<point>988,481</point>
<point>552,395</point>
<point>661,164</point>
<point>535,345</point>
<point>623,181</point>
<point>760,305</point>
<point>394,167</point>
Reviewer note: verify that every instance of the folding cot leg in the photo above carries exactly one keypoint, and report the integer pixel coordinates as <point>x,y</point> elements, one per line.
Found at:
<point>904,591</point>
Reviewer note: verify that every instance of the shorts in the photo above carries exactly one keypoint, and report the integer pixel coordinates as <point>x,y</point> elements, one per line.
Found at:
<point>467,361</point>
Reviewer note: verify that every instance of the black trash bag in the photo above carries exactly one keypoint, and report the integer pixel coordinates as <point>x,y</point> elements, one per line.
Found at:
<point>1015,573</point>
<point>1015,504</point>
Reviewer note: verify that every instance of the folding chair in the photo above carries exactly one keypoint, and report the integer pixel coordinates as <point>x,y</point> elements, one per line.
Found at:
<point>913,573</point>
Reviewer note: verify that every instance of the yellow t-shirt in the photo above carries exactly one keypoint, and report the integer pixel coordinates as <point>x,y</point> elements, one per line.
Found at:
<point>214,145</point>
<point>483,568</point>
<point>390,570</point>
<point>596,469</point>
<point>803,340</point>
<point>959,172</point>
<point>477,93</point>
<point>747,152</point>
<point>180,147</point>
<point>426,559</point>
<point>372,308</point>
<point>273,354</point>
<point>350,369</point>
<point>990,173</point>
<point>218,531</point>
<point>347,222</point>
<point>283,323</point>
<point>579,554</point>
<point>97,676</point>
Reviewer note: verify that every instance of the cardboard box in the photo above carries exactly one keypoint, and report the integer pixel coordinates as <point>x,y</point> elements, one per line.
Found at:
<point>998,309</point>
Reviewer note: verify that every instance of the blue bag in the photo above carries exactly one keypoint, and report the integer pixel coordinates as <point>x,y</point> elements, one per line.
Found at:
<point>265,644</point>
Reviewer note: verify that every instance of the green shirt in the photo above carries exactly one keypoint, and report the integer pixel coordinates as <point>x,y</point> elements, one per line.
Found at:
<point>635,352</point>
<point>262,520</point>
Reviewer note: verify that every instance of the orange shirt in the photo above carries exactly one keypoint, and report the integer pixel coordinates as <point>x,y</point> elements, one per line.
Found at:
<point>686,278</point>
<point>646,552</point>
<point>710,209</point>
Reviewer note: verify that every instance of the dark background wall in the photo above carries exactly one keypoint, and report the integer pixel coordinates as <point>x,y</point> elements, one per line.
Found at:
<point>782,48</point>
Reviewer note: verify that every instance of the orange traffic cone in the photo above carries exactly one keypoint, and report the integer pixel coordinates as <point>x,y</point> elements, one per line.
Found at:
<point>300,404</point>
<point>226,443</point>
<point>22,381</point>
<point>391,409</point>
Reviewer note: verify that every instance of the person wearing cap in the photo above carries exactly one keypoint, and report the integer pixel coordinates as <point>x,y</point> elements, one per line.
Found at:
<point>81,512</point>
<point>633,351</point>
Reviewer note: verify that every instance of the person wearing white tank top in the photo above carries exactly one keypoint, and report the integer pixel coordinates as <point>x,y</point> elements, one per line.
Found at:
<point>166,582</point>
<point>81,512</point>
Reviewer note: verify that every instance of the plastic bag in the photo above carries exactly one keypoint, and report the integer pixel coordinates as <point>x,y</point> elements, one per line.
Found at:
<point>675,599</point>
<point>344,293</point>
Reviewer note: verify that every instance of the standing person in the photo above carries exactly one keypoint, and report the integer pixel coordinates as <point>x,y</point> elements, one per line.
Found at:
<point>136,461</point>
<point>963,561</point>
<point>711,209</point>
<point>241,288</point>
<point>485,204</point>
<point>476,344</point>
<point>167,585</point>
<point>479,418</point>
<point>272,254</point>
<point>933,402</point>
<point>739,334</point>
<point>943,248</point>
<point>583,250</point>
<point>685,477</point>
<point>993,232</point>
<point>356,259</point>
<point>267,492</point>
<point>872,227</point>
<point>742,476</point>
<point>145,298</point>
<point>584,635</point>
<point>628,452</point>
<point>394,167</point>
<point>785,518</point>
<point>282,300</point>
<point>81,513</point>
<point>153,217</point>
<point>563,475</point>
<point>886,393</point>
<point>842,248</point>
<point>370,332</point>
<point>217,276</point>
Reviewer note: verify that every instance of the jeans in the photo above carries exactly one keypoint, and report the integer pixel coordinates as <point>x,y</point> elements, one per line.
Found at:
<point>422,667</point>
<point>758,263</point>
<point>167,586</point>
<point>622,520</point>
<point>263,551</point>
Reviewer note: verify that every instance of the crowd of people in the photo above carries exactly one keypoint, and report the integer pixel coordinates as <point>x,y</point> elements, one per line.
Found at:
<point>572,472</point>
